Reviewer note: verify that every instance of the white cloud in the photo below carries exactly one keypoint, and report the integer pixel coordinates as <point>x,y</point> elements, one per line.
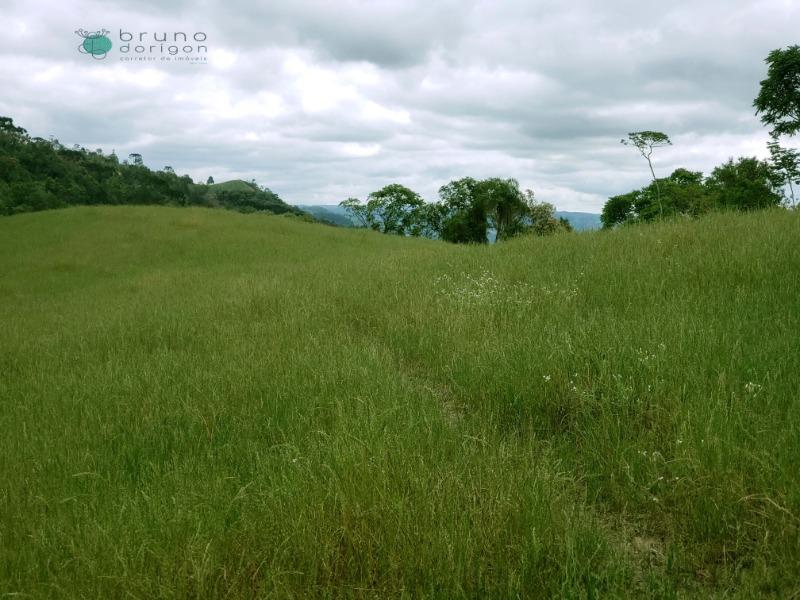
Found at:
<point>222,58</point>
<point>359,150</point>
<point>321,100</point>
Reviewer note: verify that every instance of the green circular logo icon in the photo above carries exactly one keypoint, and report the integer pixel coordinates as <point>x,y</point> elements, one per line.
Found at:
<point>95,43</point>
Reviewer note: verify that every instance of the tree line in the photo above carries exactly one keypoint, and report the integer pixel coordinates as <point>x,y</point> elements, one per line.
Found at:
<point>742,184</point>
<point>468,211</point>
<point>38,174</point>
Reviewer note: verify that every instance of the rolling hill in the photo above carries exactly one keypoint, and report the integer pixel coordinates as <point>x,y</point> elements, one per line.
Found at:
<point>200,403</point>
<point>234,185</point>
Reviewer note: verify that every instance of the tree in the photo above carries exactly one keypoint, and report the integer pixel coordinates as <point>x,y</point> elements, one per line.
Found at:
<point>31,195</point>
<point>646,142</point>
<point>469,207</point>
<point>5,199</point>
<point>12,138</point>
<point>505,206</point>
<point>395,209</point>
<point>210,180</point>
<point>785,163</point>
<point>135,159</point>
<point>685,193</point>
<point>746,184</point>
<point>429,221</point>
<point>392,209</point>
<point>541,217</point>
<point>356,210</point>
<point>778,101</point>
<point>7,128</point>
<point>682,193</point>
<point>459,194</point>
<point>463,212</point>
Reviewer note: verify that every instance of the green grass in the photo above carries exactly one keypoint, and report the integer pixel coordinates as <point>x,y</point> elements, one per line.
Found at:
<point>197,403</point>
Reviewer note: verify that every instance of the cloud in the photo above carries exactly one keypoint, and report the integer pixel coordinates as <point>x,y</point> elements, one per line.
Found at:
<point>322,100</point>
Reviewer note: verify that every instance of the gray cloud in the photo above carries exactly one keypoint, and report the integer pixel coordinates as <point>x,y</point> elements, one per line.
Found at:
<point>322,100</point>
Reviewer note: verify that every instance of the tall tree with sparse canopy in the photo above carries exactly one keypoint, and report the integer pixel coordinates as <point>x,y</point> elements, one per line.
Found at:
<point>785,162</point>
<point>646,142</point>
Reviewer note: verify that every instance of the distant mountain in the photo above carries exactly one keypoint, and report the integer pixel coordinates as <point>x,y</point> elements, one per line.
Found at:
<point>330,213</point>
<point>580,221</point>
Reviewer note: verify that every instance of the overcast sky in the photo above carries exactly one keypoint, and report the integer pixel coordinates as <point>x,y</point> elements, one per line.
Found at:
<point>322,100</point>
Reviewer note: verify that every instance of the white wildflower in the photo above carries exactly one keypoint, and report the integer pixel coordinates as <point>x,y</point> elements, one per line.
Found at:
<point>752,388</point>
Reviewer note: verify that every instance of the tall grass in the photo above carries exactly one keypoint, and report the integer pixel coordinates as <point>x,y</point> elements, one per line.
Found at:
<point>196,403</point>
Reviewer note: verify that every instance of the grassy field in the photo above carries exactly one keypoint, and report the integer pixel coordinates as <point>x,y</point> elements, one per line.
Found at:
<point>197,403</point>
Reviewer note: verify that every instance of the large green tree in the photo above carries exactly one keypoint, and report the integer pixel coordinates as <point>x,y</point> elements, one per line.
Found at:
<point>463,212</point>
<point>396,208</point>
<point>618,209</point>
<point>392,209</point>
<point>778,101</point>
<point>682,193</point>
<point>745,184</point>
<point>505,204</point>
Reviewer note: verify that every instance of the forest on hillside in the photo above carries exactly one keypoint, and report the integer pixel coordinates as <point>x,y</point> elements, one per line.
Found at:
<point>40,174</point>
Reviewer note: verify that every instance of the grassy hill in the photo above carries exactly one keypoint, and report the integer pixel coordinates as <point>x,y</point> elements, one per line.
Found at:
<point>234,185</point>
<point>198,403</point>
